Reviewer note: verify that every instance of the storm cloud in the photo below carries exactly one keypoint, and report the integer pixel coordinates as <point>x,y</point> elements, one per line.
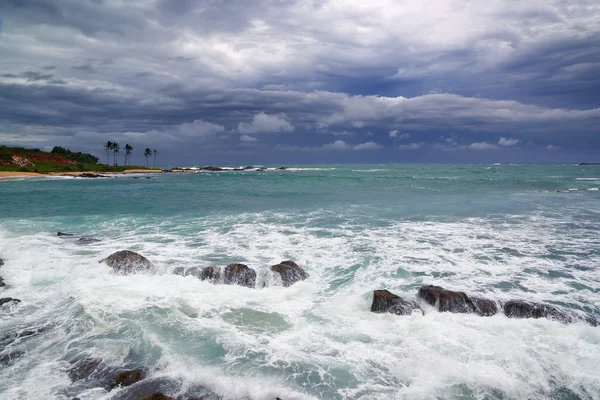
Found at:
<point>272,81</point>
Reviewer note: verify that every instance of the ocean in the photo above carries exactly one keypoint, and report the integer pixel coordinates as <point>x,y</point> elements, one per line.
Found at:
<point>503,232</point>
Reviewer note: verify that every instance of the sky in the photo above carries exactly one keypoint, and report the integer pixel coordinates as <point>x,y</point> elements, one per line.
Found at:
<point>307,81</point>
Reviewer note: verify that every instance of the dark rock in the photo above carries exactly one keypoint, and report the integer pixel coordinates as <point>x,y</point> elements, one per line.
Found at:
<point>282,168</point>
<point>485,307</point>
<point>128,378</point>
<point>127,262</point>
<point>89,175</point>
<point>16,334</point>
<point>83,368</point>
<point>589,163</point>
<point>210,273</point>
<point>290,272</point>
<point>212,169</point>
<point>64,234</point>
<point>179,271</point>
<point>1,262</point>
<point>260,170</point>
<point>446,300</point>
<point>157,396</point>
<point>148,177</point>
<point>87,239</point>
<point>7,358</point>
<point>385,301</point>
<point>239,274</point>
<point>525,309</point>
<point>2,284</point>
<point>248,167</point>
<point>7,300</point>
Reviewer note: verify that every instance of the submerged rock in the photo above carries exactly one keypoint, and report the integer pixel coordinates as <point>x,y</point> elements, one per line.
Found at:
<point>83,368</point>
<point>7,300</point>
<point>128,378</point>
<point>212,274</point>
<point>157,396</point>
<point>239,274</point>
<point>127,262</point>
<point>64,234</point>
<point>385,301</point>
<point>525,309</point>
<point>290,272</point>
<point>446,300</point>
<point>7,358</point>
<point>179,271</point>
<point>87,239</point>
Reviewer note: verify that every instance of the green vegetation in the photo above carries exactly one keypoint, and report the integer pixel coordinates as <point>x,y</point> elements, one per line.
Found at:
<point>58,160</point>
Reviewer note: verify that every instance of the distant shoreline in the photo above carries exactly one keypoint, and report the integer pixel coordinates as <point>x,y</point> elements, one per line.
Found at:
<point>16,174</point>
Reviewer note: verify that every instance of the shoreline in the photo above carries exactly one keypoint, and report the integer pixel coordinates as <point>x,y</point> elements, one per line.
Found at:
<point>8,175</point>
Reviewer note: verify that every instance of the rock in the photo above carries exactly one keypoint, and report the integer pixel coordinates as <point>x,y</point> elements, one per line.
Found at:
<point>157,396</point>
<point>7,300</point>
<point>282,168</point>
<point>127,262</point>
<point>485,307</point>
<point>260,170</point>
<point>2,284</point>
<point>212,169</point>
<point>248,167</point>
<point>87,239</point>
<point>525,309</point>
<point>128,378</point>
<point>1,262</point>
<point>385,301</point>
<point>89,175</point>
<point>7,358</point>
<point>15,334</point>
<point>83,368</point>
<point>239,274</point>
<point>179,271</point>
<point>212,274</point>
<point>64,234</point>
<point>290,272</point>
<point>446,300</point>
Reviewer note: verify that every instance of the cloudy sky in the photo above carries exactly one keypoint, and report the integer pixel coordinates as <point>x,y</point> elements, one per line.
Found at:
<point>284,81</point>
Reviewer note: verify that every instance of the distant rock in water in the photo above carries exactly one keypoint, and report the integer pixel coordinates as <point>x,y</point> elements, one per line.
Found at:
<point>446,300</point>
<point>127,262</point>
<point>211,169</point>
<point>385,301</point>
<point>589,163</point>
<point>64,234</point>
<point>87,239</point>
<point>239,274</point>
<point>89,175</point>
<point>8,300</point>
<point>212,274</point>
<point>525,309</point>
<point>289,272</point>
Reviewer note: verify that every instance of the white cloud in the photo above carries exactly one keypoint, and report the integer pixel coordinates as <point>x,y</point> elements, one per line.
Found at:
<point>394,133</point>
<point>367,146</point>
<point>507,142</point>
<point>411,146</point>
<point>552,147</point>
<point>248,139</point>
<point>198,128</point>
<point>483,146</point>
<point>264,123</point>
<point>337,145</point>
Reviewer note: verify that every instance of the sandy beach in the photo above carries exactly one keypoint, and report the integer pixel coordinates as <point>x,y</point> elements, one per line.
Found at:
<point>7,175</point>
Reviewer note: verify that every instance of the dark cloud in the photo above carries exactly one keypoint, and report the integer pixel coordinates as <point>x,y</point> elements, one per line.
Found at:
<point>452,79</point>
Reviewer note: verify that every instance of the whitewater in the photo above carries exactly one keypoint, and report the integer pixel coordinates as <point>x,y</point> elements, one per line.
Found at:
<point>500,231</point>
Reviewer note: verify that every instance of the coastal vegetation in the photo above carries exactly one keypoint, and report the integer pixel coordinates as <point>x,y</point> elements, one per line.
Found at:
<point>60,159</point>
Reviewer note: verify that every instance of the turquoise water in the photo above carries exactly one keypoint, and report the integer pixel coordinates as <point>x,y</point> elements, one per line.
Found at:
<point>502,231</point>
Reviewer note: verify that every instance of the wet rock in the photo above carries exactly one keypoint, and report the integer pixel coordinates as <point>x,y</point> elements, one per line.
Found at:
<point>260,170</point>
<point>89,175</point>
<point>385,301</point>
<point>7,358</point>
<point>87,239</point>
<point>212,169</point>
<point>212,274</point>
<point>83,368</point>
<point>179,271</point>
<point>248,167</point>
<point>20,334</point>
<point>8,300</point>
<point>526,309</point>
<point>157,396</point>
<point>64,234</point>
<point>289,272</point>
<point>128,378</point>
<point>2,284</point>
<point>485,307</point>
<point>282,168</point>
<point>1,262</point>
<point>239,274</point>
<point>127,262</point>
<point>446,300</point>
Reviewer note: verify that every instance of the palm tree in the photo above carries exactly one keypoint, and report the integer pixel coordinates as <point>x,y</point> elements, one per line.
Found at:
<point>154,164</point>
<point>116,149</point>
<point>147,153</point>
<point>107,148</point>
<point>128,150</point>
